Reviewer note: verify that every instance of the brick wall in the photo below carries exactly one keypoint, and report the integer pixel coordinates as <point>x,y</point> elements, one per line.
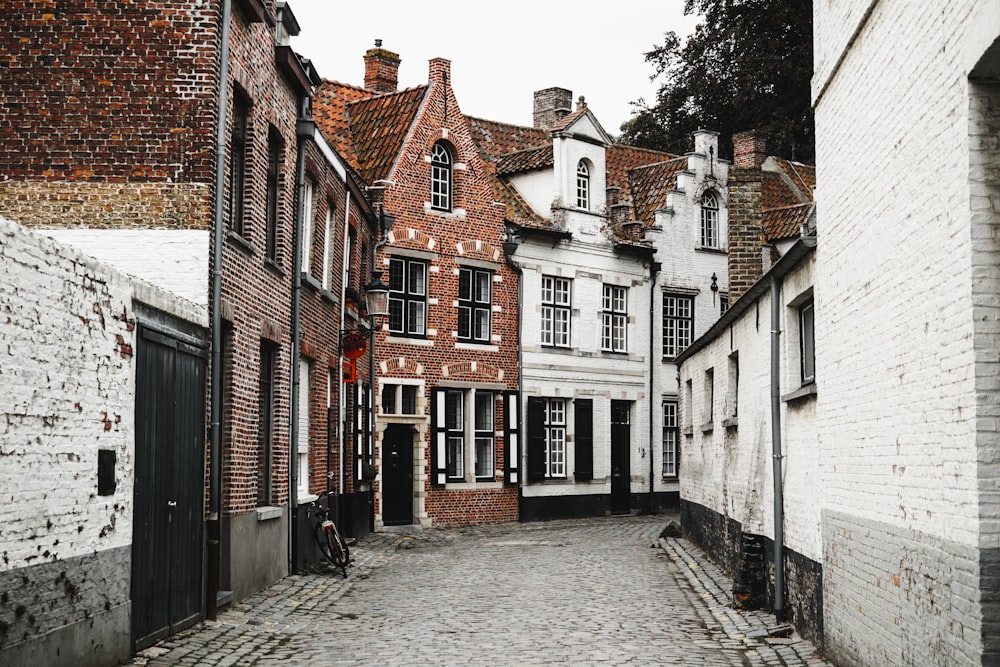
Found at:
<point>906,336</point>
<point>745,230</point>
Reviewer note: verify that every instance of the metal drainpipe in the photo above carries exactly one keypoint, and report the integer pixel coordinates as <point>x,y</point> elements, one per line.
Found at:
<point>293,449</point>
<point>779,603</point>
<point>654,270</point>
<point>213,549</point>
<point>344,280</point>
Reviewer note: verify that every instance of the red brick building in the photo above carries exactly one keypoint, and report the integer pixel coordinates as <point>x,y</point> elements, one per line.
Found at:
<point>446,444</point>
<point>109,127</point>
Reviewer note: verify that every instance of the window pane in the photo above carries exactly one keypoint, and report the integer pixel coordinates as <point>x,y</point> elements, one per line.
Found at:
<point>482,332</point>
<point>484,411</point>
<point>807,343</point>
<point>484,458</point>
<point>483,280</point>
<point>389,399</point>
<point>418,283</point>
<point>415,318</point>
<point>464,322</point>
<point>409,406</point>
<point>455,455</point>
<point>453,410</point>
<point>396,268</point>
<point>465,284</point>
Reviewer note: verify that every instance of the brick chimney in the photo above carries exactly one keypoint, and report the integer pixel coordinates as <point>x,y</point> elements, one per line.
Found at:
<point>745,230</point>
<point>551,104</point>
<point>440,71</point>
<point>381,69</point>
<point>749,149</point>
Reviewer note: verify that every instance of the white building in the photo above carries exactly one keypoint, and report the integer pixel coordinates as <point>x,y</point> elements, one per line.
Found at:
<point>615,246</point>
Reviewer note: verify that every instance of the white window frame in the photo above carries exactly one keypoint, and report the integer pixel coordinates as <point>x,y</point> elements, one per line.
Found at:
<point>671,439</point>
<point>678,323</point>
<point>302,451</point>
<point>484,436</point>
<point>807,342</point>
<point>555,438</point>
<point>709,220</point>
<point>475,305</point>
<point>408,296</point>
<point>308,188</point>
<point>583,185</point>
<point>614,319</point>
<point>556,311</point>
<point>441,177</point>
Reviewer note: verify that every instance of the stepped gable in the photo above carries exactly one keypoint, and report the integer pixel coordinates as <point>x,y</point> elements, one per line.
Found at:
<point>649,186</point>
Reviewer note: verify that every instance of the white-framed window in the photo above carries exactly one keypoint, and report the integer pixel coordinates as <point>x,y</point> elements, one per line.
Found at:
<point>807,343</point>
<point>441,177</point>
<point>733,390</point>
<point>614,319</point>
<point>485,435</point>
<point>556,301</point>
<point>583,185</point>
<point>555,437</point>
<point>678,323</point>
<point>671,438</point>
<point>399,398</point>
<point>308,189</point>
<point>723,303</point>
<point>407,296</point>
<point>469,417</point>
<point>302,454</point>
<point>475,305</point>
<point>709,220</point>
<point>709,409</point>
<point>327,276</point>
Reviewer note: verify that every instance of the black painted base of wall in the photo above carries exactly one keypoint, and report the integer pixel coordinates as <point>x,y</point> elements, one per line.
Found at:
<point>355,512</point>
<point>738,555</point>
<point>548,508</point>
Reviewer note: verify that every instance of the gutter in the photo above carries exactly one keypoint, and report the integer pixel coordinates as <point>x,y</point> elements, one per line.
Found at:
<point>213,529</point>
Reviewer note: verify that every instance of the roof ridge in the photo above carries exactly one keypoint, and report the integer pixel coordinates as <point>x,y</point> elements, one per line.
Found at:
<point>786,206</point>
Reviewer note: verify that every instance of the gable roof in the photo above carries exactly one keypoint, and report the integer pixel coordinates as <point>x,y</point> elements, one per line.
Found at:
<point>649,185</point>
<point>785,222</point>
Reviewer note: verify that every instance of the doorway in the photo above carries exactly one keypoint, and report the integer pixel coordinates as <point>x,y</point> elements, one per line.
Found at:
<point>621,445</point>
<point>397,475</point>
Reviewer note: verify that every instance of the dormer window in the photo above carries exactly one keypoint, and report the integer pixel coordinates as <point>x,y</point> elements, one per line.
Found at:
<point>441,165</point>
<point>583,185</point>
<point>709,220</point>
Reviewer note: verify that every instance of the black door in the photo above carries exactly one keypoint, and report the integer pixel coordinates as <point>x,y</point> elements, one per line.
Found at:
<point>397,475</point>
<point>621,474</point>
<point>169,487</point>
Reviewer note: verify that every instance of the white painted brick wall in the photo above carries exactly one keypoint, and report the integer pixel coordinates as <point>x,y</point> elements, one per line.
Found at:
<point>67,377</point>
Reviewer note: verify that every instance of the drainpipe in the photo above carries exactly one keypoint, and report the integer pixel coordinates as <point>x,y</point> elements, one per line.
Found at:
<point>654,270</point>
<point>344,280</point>
<point>213,550</point>
<point>779,603</point>
<point>303,132</point>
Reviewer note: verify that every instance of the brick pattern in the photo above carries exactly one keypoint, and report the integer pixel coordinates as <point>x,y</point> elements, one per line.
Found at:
<point>745,230</point>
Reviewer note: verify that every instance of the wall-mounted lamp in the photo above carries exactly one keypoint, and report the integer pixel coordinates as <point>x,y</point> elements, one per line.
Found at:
<point>715,283</point>
<point>377,297</point>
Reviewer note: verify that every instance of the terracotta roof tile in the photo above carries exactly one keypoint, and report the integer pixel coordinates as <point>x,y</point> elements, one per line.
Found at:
<point>802,175</point>
<point>774,191</point>
<point>498,139</point>
<point>379,126</point>
<point>621,159</point>
<point>648,187</point>
<point>785,222</point>
<point>527,160</point>
<point>330,112</point>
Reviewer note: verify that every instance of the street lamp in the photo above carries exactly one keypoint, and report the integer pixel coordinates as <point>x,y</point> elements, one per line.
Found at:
<point>377,297</point>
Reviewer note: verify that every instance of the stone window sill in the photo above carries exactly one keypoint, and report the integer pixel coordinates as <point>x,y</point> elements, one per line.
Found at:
<point>732,422</point>
<point>268,513</point>
<point>801,395</point>
<point>708,427</point>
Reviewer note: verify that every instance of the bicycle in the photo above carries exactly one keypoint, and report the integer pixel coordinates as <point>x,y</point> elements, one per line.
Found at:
<point>333,547</point>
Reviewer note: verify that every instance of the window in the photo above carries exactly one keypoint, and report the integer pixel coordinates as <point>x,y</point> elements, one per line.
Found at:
<point>474,305</point>
<point>265,432</point>
<point>688,405</point>
<point>678,323</point>
<point>484,435</point>
<point>733,391</point>
<point>327,245</point>
<point>555,311</point>
<point>709,220</point>
<point>555,437</point>
<point>238,161</point>
<point>671,438</point>
<point>583,185</point>
<point>709,396</point>
<point>407,296</point>
<point>441,177</point>
<point>454,416</point>
<point>274,150</point>
<point>807,342</point>
<point>302,471</point>
<point>308,189</point>
<point>614,319</point>
<point>399,399</point>
<point>723,303</point>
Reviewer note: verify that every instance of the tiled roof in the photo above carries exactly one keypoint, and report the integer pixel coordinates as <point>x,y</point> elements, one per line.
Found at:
<point>330,112</point>
<point>568,119</point>
<point>621,159</point>
<point>526,160</point>
<point>648,187</point>
<point>774,191</point>
<point>802,175</point>
<point>785,222</point>
<point>498,139</point>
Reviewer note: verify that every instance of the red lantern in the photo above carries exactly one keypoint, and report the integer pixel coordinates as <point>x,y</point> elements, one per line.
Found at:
<point>353,345</point>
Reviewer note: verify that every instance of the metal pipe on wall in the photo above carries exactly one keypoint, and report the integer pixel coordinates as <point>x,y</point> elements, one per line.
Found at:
<point>779,578</point>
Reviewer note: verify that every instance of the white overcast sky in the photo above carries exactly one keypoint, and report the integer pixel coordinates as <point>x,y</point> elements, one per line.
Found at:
<point>500,52</point>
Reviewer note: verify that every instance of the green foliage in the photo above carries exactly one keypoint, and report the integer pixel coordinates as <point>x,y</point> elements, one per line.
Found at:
<point>747,66</point>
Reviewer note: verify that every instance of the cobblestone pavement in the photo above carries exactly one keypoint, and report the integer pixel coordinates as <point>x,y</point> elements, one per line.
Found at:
<point>606,591</point>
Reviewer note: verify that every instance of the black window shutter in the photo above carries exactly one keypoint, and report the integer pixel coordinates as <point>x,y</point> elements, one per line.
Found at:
<point>512,436</point>
<point>439,469</point>
<point>583,437</point>
<point>536,438</point>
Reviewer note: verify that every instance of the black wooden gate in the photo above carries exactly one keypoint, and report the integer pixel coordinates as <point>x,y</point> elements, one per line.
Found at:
<point>621,444</point>
<point>169,486</point>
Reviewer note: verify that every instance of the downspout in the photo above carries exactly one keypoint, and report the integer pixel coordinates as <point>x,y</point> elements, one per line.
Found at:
<point>213,529</point>
<point>344,280</point>
<point>779,584</point>
<point>654,270</point>
<point>303,132</point>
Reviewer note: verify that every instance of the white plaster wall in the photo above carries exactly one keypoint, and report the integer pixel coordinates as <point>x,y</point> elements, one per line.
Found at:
<point>536,188</point>
<point>181,262</point>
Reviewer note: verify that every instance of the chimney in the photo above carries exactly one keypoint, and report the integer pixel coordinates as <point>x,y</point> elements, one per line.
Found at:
<point>551,104</point>
<point>749,149</point>
<point>440,71</point>
<point>746,264</point>
<point>381,69</point>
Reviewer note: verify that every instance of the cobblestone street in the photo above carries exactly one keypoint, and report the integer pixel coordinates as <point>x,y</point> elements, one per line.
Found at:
<point>605,591</point>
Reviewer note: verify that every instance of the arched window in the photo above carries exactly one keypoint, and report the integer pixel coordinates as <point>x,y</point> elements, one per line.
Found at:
<point>583,185</point>
<point>441,177</point>
<point>709,220</point>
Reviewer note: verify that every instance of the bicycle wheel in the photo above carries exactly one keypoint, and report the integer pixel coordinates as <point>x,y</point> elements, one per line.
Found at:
<point>323,542</point>
<point>338,550</point>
